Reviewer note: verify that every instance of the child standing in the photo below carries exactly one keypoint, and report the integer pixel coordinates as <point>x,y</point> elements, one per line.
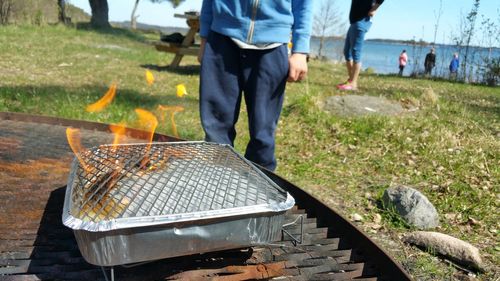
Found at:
<point>244,54</point>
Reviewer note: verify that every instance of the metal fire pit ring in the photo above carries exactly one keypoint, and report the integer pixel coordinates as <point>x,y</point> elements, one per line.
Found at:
<point>34,245</point>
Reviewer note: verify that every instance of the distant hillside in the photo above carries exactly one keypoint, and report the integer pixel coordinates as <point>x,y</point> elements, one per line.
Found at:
<point>43,12</point>
<point>328,38</point>
<point>152,28</point>
<point>395,41</point>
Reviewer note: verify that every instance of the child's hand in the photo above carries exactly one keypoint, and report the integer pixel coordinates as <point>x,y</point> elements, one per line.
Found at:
<point>298,67</point>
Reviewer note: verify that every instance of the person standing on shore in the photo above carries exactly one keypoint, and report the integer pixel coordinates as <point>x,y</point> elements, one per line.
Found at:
<point>430,62</point>
<point>454,66</point>
<point>244,54</point>
<point>403,58</point>
<point>360,17</point>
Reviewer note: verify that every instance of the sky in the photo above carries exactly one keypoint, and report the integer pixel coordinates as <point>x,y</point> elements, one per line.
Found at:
<point>395,19</point>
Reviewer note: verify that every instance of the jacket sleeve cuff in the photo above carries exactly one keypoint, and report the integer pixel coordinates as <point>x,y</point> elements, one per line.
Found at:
<point>204,29</point>
<point>300,44</point>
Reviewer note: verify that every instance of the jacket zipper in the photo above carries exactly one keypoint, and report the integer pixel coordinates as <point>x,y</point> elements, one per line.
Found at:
<point>252,21</point>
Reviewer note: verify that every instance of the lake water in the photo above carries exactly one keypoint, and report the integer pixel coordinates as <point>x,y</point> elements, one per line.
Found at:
<point>383,56</point>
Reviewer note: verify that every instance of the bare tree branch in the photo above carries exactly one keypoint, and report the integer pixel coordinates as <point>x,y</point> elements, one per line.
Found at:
<point>437,15</point>
<point>327,22</point>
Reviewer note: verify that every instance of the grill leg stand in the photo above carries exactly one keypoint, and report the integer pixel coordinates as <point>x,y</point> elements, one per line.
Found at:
<point>112,272</point>
<point>295,241</point>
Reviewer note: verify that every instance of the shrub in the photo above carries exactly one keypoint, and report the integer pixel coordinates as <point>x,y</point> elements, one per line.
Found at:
<point>38,18</point>
<point>370,70</point>
<point>491,71</point>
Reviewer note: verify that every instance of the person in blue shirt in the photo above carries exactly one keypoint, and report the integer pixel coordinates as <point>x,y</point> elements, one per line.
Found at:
<point>244,55</point>
<point>454,64</point>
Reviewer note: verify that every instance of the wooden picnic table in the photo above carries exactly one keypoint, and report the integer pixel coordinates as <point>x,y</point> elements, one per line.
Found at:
<point>187,47</point>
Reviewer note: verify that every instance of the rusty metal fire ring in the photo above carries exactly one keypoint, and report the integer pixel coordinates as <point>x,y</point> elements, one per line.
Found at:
<point>34,245</point>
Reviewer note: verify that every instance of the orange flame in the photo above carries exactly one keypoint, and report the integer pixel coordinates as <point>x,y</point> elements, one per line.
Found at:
<point>150,79</point>
<point>118,131</point>
<point>181,90</point>
<point>104,101</point>
<point>172,110</point>
<point>148,122</point>
<point>73,136</point>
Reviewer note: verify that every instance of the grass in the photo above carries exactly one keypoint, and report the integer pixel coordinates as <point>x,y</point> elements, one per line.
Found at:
<point>449,149</point>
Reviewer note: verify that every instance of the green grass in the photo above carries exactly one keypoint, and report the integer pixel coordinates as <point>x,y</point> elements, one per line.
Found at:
<point>449,149</point>
<point>58,71</point>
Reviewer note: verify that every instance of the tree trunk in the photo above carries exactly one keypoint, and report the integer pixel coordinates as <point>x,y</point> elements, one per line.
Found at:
<point>5,9</point>
<point>62,11</point>
<point>133,18</point>
<point>99,17</point>
<point>469,34</point>
<point>320,50</point>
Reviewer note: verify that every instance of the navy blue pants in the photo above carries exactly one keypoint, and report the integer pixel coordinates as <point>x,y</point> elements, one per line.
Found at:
<point>228,73</point>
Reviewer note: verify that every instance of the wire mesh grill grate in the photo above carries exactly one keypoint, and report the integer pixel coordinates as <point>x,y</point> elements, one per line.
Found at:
<point>166,178</point>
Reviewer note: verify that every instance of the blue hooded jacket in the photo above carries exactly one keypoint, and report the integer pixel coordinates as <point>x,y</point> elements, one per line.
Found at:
<point>260,21</point>
<point>454,65</point>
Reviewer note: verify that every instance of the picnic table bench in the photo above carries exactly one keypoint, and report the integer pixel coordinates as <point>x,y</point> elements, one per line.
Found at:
<point>187,47</point>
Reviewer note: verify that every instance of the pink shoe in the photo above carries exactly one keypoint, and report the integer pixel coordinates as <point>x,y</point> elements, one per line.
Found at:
<point>345,83</point>
<point>346,87</point>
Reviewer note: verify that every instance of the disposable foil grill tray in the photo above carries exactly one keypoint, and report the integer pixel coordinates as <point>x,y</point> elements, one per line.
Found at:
<point>114,187</point>
<point>142,202</point>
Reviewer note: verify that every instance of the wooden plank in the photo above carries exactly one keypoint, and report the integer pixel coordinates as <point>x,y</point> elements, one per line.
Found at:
<point>189,51</point>
<point>169,48</point>
<point>187,47</point>
<point>186,16</point>
<point>188,41</point>
<point>177,49</point>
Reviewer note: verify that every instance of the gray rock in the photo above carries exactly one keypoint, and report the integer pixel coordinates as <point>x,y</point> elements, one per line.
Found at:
<point>412,205</point>
<point>112,47</point>
<point>354,105</point>
<point>454,249</point>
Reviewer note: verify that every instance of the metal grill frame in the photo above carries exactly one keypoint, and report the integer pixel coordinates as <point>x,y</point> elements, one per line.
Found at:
<point>77,223</point>
<point>53,243</point>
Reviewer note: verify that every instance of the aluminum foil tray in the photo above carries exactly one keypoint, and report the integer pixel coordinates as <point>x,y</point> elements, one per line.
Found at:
<point>139,202</point>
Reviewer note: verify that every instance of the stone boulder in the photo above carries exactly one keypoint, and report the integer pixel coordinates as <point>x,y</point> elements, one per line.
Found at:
<point>450,247</point>
<point>412,205</point>
<point>355,105</point>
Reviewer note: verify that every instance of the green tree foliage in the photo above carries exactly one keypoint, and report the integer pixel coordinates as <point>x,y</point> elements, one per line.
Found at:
<point>491,67</point>
<point>175,3</point>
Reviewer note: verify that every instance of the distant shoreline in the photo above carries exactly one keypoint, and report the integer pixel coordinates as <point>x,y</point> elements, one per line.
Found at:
<point>172,29</point>
<point>420,43</point>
